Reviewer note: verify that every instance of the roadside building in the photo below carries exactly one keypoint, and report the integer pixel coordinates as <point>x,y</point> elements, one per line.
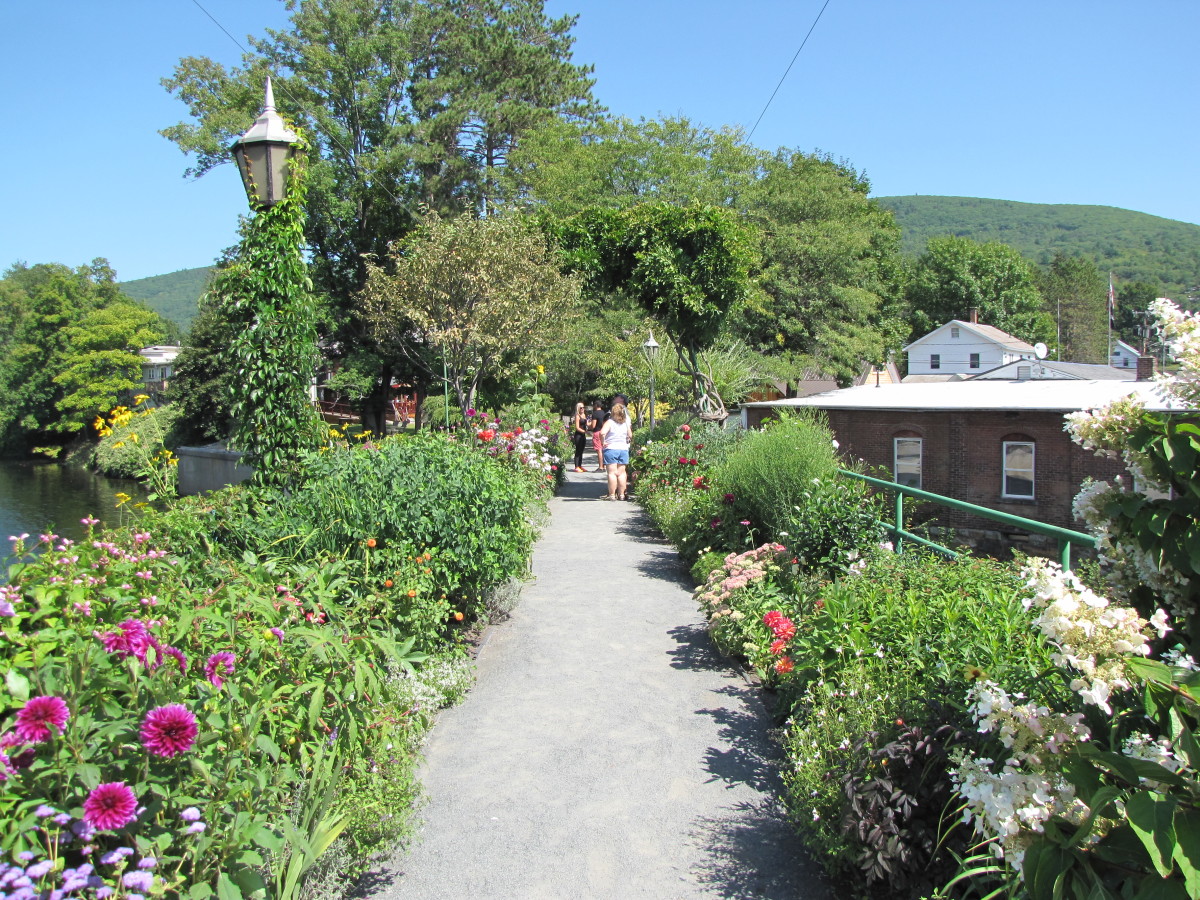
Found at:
<point>960,349</point>
<point>158,365</point>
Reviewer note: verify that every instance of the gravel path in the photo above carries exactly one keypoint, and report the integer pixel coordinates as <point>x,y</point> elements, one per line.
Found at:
<point>606,750</point>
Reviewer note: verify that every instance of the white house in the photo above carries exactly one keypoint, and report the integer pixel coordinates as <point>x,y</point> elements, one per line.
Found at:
<point>1124,356</point>
<point>158,364</point>
<point>962,348</point>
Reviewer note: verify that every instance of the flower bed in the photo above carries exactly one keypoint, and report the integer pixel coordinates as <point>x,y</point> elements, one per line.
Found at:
<point>228,698</point>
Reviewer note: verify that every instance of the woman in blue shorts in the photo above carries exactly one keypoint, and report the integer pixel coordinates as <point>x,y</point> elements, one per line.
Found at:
<point>617,436</point>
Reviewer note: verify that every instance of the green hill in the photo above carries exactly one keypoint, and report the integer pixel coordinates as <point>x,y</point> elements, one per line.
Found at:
<point>173,296</point>
<point>1134,246</point>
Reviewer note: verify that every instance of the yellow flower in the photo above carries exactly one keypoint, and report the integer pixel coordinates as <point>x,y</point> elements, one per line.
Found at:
<point>122,498</point>
<point>541,370</point>
<point>118,445</point>
<point>140,399</point>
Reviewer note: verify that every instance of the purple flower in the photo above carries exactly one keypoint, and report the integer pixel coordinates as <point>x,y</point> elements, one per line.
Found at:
<point>278,632</point>
<point>132,640</point>
<point>148,862</point>
<point>169,730</point>
<point>138,880</point>
<point>176,654</point>
<point>110,806</point>
<point>196,828</point>
<point>38,869</point>
<point>62,819</point>
<point>35,719</point>
<point>217,660</point>
<point>191,814</point>
<point>45,812</point>
<point>470,412</point>
<point>115,856</point>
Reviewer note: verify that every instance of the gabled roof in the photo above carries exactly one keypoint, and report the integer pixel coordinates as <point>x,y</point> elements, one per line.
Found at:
<point>1132,351</point>
<point>987,332</point>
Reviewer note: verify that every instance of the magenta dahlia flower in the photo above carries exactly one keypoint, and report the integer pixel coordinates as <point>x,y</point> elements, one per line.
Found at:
<point>224,659</point>
<point>110,806</point>
<point>169,730</point>
<point>132,640</point>
<point>35,719</point>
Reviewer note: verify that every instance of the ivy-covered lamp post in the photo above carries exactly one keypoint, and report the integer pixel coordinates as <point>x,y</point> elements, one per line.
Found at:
<point>650,351</point>
<point>266,297</point>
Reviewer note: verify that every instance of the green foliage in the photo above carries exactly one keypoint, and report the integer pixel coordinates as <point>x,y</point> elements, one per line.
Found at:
<point>775,468</point>
<point>957,274</point>
<point>484,295</point>
<point>68,342</point>
<point>203,381</point>
<point>1078,294</point>
<point>1132,245</point>
<point>175,297</point>
<point>264,296</point>
<point>688,267</point>
<point>124,451</point>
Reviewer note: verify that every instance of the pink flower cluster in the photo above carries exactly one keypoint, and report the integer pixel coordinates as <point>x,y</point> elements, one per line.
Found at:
<point>135,639</point>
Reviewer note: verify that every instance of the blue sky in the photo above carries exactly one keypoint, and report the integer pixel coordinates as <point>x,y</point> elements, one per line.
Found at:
<point>1046,101</point>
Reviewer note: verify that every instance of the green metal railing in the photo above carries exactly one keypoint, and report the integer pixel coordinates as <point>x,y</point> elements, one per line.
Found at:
<point>1066,538</point>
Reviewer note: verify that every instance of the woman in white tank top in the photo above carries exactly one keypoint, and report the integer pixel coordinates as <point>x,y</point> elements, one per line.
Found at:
<point>617,436</point>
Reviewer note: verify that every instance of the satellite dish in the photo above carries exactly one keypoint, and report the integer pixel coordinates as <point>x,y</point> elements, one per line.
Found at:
<point>1040,350</point>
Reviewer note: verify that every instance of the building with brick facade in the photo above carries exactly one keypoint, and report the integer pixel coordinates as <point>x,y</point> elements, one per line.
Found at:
<point>998,444</point>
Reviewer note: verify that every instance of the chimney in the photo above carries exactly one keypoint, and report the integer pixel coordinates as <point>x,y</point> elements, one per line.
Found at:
<point>1145,368</point>
<point>974,312</point>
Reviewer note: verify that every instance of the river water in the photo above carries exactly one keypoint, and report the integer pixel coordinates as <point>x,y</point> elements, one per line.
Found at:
<point>36,497</point>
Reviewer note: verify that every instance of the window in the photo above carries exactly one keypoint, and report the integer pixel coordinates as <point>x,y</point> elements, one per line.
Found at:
<point>1024,373</point>
<point>954,332</point>
<point>935,360</point>
<point>906,466</point>
<point>1018,470</point>
<point>974,360</point>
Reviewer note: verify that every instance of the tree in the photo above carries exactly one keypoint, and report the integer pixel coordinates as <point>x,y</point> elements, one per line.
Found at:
<point>1132,321</point>
<point>831,266</point>
<point>828,292</point>
<point>687,267</point>
<point>409,104</point>
<point>101,366</point>
<point>955,275</point>
<point>1078,294</point>
<point>203,381</point>
<point>53,322</point>
<point>484,296</point>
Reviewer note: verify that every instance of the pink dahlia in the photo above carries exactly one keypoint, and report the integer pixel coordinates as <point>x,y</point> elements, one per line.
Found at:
<point>216,661</point>
<point>132,640</point>
<point>110,806</point>
<point>35,719</point>
<point>169,730</point>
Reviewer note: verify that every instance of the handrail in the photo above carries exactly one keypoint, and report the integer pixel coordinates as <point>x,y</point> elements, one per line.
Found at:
<point>1065,536</point>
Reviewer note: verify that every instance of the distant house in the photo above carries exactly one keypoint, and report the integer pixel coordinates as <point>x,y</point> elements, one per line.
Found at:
<point>998,444</point>
<point>959,349</point>
<point>1053,370</point>
<point>158,365</point>
<point>1124,356</point>
<point>814,381</point>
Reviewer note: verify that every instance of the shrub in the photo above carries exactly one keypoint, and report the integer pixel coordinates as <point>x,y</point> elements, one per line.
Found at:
<point>774,468</point>
<point>834,523</point>
<point>122,453</point>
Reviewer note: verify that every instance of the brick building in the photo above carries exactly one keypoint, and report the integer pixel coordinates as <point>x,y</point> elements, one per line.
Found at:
<point>998,444</point>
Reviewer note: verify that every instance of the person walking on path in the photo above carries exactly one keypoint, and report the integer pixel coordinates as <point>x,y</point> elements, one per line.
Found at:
<point>618,436</point>
<point>596,419</point>
<point>579,428</point>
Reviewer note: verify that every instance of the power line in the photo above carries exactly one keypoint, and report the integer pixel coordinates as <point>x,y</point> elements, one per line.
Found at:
<point>785,74</point>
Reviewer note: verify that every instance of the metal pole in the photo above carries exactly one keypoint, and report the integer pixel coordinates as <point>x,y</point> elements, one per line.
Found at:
<point>446,389</point>
<point>899,521</point>
<point>651,396</point>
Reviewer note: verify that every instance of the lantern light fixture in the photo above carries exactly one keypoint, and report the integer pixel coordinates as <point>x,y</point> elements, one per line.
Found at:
<point>263,153</point>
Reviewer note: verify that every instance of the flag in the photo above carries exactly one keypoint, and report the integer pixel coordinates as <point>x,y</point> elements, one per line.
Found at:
<point>1112,301</point>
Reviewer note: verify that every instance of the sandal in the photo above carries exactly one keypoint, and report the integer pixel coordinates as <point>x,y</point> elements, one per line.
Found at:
<point>608,497</point>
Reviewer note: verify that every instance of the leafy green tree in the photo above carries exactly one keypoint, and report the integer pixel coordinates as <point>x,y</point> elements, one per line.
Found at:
<point>828,293</point>
<point>956,274</point>
<point>408,104</point>
<point>202,382</point>
<point>1078,294</point>
<point>101,366</point>
<point>52,324</point>
<point>1132,321</point>
<point>687,267</point>
<point>831,265</point>
<point>484,296</point>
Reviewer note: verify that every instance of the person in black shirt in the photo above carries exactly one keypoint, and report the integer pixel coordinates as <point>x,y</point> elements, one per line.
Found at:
<point>596,420</point>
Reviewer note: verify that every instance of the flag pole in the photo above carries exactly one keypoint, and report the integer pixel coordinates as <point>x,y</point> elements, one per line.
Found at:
<point>1112,308</point>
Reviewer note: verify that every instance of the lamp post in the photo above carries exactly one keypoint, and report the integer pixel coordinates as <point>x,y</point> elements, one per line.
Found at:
<point>262,155</point>
<point>650,351</point>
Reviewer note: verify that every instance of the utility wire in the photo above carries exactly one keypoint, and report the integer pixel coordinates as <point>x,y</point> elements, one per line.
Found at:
<point>785,74</point>
<point>283,90</point>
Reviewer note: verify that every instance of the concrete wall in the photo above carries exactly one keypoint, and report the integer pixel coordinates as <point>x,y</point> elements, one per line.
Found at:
<point>210,468</point>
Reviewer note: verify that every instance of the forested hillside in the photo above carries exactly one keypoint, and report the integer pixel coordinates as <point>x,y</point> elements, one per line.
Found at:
<point>174,296</point>
<point>1133,245</point>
